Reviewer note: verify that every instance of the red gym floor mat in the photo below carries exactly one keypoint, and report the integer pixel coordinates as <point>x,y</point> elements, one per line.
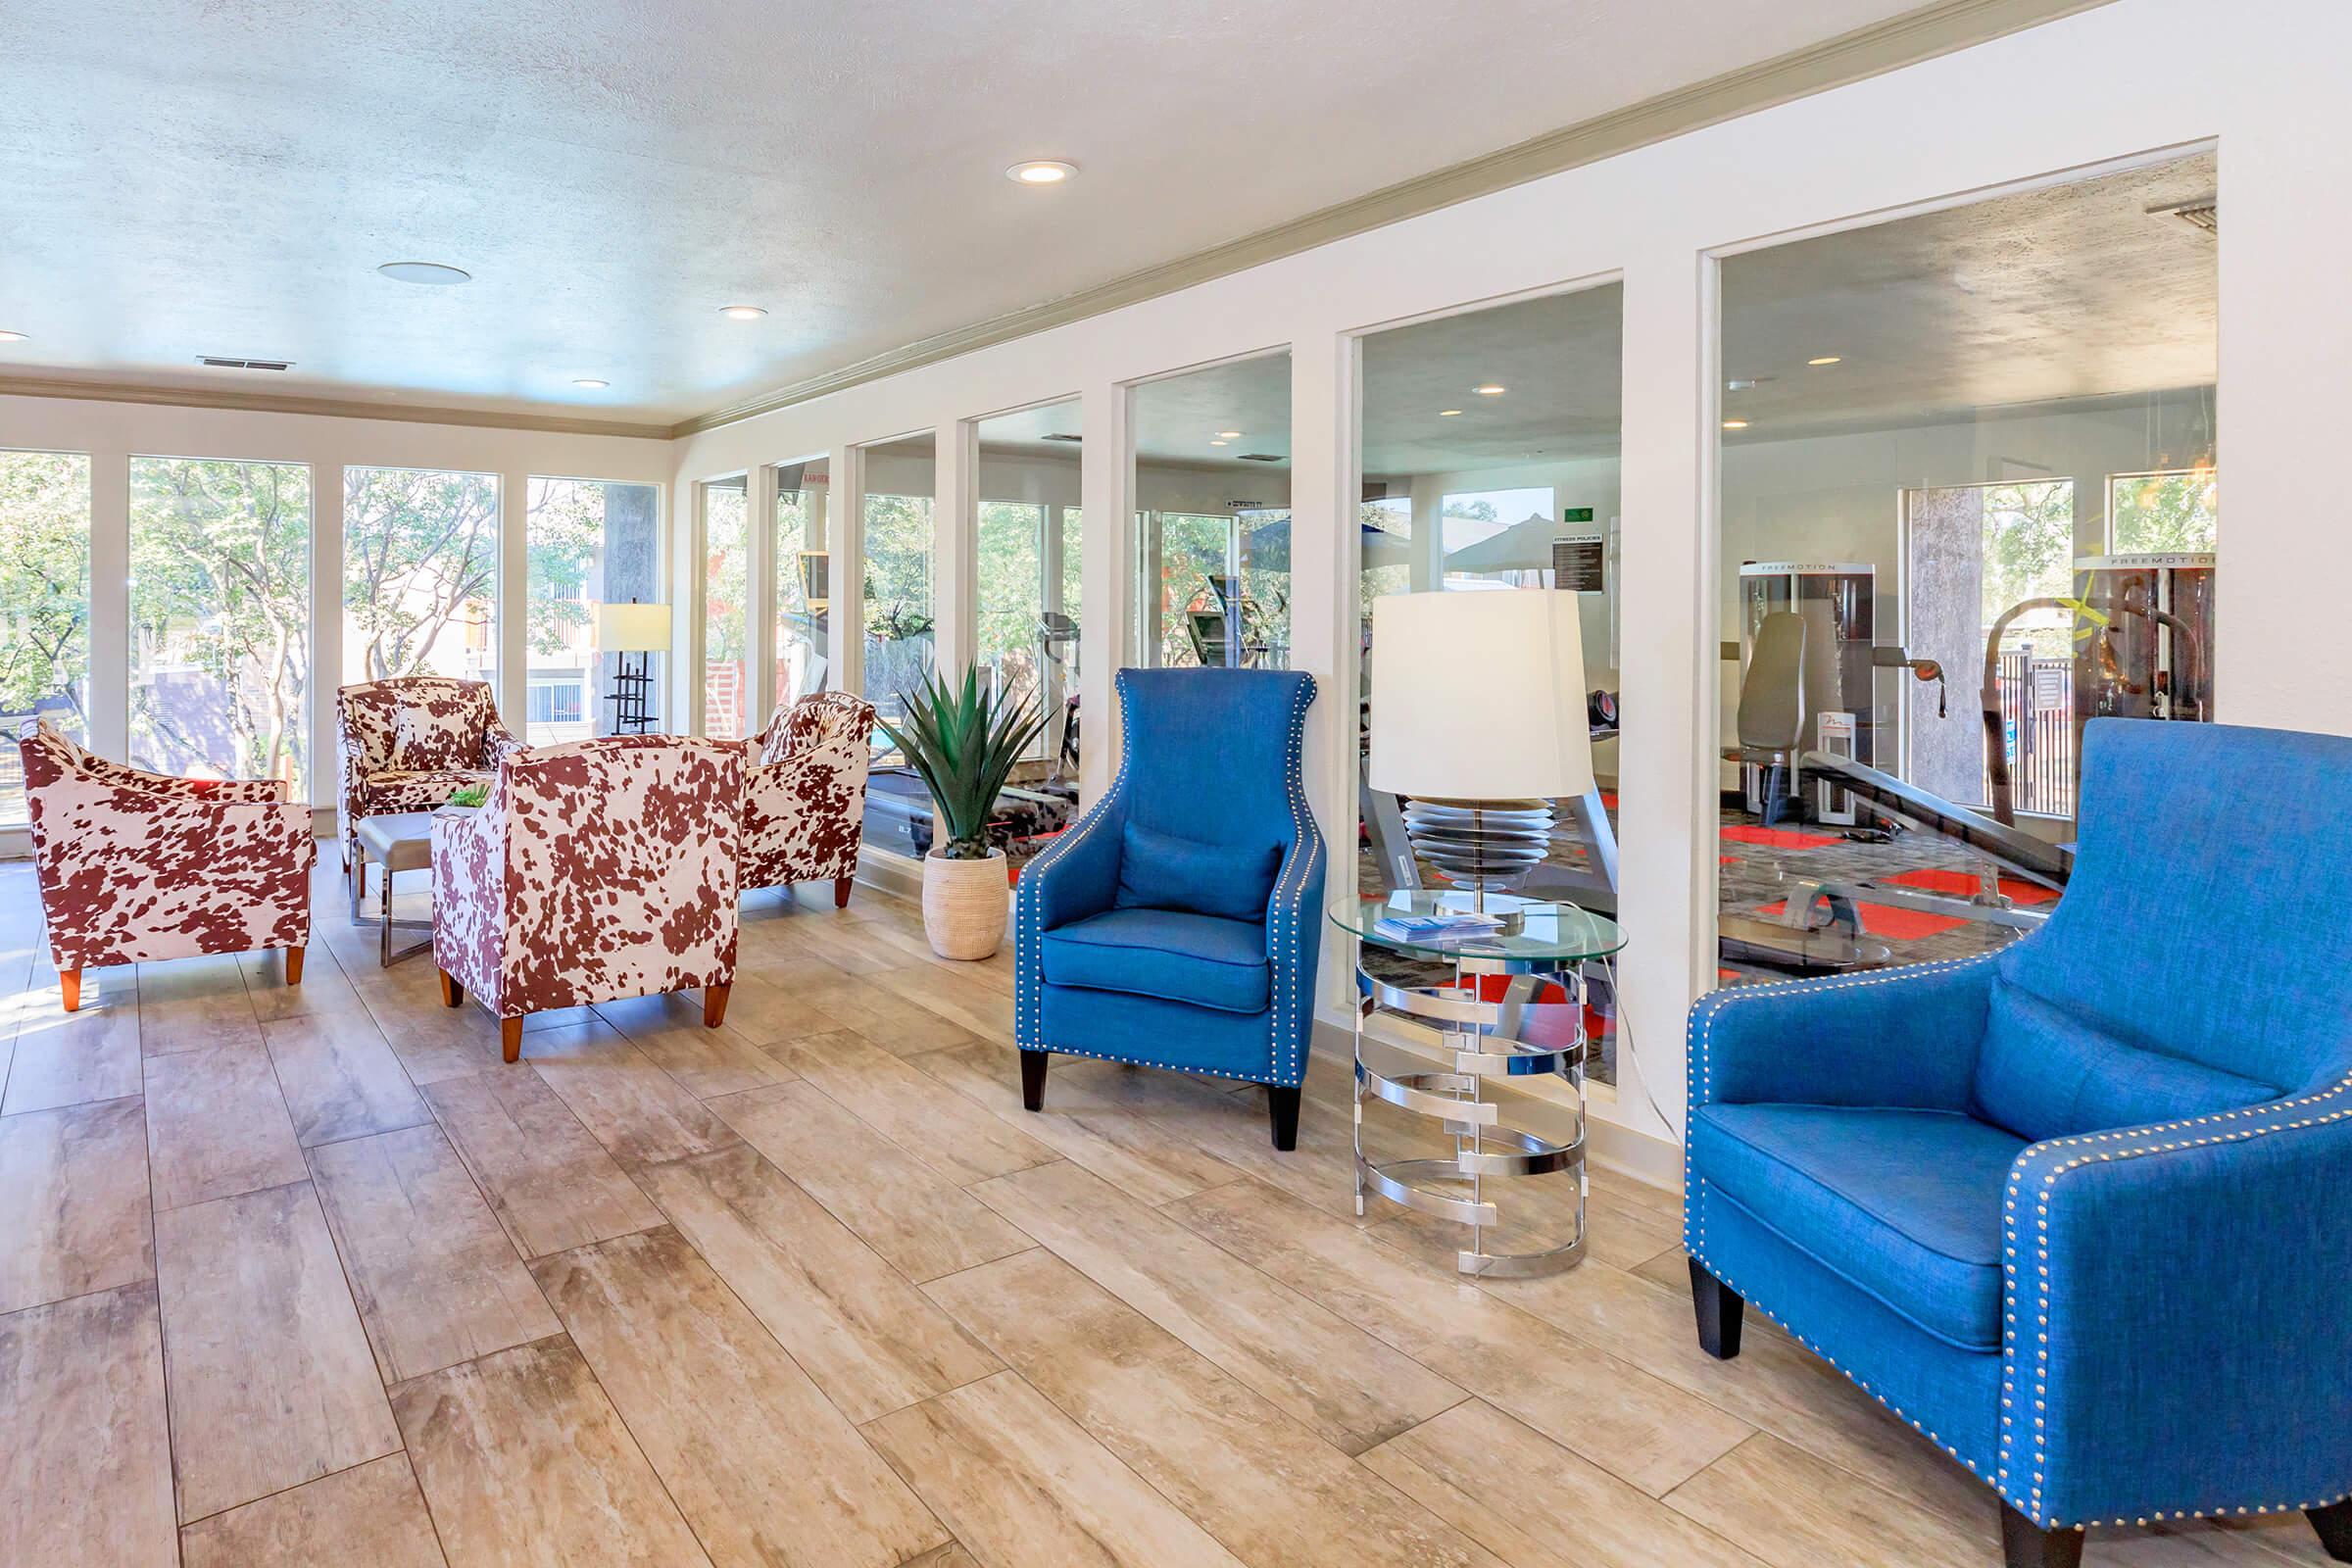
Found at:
<point>1779,838</point>
<point>1885,920</point>
<point>1962,885</point>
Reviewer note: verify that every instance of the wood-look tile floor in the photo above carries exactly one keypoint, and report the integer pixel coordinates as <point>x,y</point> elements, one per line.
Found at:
<point>309,1276</point>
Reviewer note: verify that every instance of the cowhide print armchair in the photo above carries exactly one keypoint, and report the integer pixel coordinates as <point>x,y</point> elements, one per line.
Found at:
<point>803,802</point>
<point>594,871</point>
<point>410,743</point>
<point>134,867</point>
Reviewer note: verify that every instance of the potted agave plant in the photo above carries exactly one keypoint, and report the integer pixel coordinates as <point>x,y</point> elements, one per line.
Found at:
<point>963,744</point>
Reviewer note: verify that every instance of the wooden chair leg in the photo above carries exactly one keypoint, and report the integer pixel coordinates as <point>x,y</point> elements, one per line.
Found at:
<point>714,1005</point>
<point>294,966</point>
<point>1033,1079</point>
<point>1282,1109</point>
<point>510,1039</point>
<point>70,982</point>
<point>452,992</point>
<point>2335,1526</point>
<point>1720,1312</point>
<point>2026,1545</point>
<point>841,890</point>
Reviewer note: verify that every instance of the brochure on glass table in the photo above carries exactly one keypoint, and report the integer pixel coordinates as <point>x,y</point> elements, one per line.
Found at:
<point>1450,925</point>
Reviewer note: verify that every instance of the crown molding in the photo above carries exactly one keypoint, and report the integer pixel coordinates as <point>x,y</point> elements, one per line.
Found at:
<point>1940,29</point>
<point>326,408</point>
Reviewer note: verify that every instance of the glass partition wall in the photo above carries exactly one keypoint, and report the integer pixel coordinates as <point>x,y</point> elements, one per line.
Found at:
<point>1489,445</point>
<point>1970,501</point>
<point>897,640</point>
<point>45,587</point>
<point>1212,522</point>
<point>587,543</point>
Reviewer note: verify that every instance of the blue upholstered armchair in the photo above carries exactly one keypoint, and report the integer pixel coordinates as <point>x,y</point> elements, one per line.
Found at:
<point>2076,1211</point>
<point>1178,923</point>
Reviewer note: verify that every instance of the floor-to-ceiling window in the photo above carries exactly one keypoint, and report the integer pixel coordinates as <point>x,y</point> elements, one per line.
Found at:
<point>804,560</point>
<point>1212,496</point>
<point>44,603</point>
<point>727,604</point>
<point>587,542</point>
<point>1491,449</point>
<point>220,617</point>
<point>1969,503</point>
<point>420,573</point>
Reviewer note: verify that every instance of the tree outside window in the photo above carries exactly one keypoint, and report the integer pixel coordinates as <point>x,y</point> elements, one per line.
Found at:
<point>899,615</point>
<point>44,602</point>
<point>220,617</point>
<point>2175,509</point>
<point>420,573</point>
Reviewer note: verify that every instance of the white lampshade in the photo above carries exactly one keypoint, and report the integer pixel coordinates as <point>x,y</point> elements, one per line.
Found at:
<point>632,628</point>
<point>1479,696</point>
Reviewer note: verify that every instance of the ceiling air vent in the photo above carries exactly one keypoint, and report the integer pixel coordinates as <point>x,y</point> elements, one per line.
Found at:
<point>1261,456</point>
<point>1059,435</point>
<point>219,364</point>
<point>2204,213</point>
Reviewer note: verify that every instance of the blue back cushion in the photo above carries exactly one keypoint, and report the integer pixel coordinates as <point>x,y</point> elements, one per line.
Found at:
<point>1210,782</point>
<point>2197,960</point>
<point>1166,871</point>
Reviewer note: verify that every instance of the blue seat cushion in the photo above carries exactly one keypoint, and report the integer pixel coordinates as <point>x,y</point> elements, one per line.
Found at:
<point>2046,1072</point>
<point>1202,959</point>
<point>1905,1206</point>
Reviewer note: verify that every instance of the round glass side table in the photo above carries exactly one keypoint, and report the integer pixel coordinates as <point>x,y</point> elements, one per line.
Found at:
<point>1508,1004</point>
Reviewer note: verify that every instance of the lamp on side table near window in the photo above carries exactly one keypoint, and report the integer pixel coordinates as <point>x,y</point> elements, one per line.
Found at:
<point>1478,720</point>
<point>622,630</point>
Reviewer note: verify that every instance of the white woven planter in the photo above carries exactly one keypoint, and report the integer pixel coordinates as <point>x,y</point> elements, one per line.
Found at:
<point>964,904</point>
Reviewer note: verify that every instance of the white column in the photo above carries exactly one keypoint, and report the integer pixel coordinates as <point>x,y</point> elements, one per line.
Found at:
<point>1106,577</point>
<point>954,541</point>
<point>845,536</point>
<point>110,603</point>
<point>325,773</point>
<point>514,691</point>
<point>1668,580</point>
<point>1324,487</point>
<point>2284,553</point>
<point>759,606</point>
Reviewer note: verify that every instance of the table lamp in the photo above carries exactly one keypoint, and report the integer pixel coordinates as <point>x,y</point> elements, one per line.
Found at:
<point>1478,720</point>
<point>622,630</point>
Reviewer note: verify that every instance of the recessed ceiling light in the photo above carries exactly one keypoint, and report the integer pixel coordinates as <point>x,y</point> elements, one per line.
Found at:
<point>1041,172</point>
<point>1826,358</point>
<point>1229,435</point>
<point>431,274</point>
<point>1734,425</point>
<point>13,337</point>
<point>1490,389</point>
<point>590,382</point>
<point>1220,443</point>
<point>742,313</point>
<point>1447,414</point>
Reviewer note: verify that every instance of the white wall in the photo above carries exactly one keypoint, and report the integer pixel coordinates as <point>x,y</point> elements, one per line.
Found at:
<point>111,434</point>
<point>2261,89</point>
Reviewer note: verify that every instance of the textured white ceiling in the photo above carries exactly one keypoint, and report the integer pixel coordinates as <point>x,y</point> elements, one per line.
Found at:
<point>183,177</point>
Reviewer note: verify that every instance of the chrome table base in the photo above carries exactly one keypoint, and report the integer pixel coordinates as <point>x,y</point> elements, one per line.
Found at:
<point>1483,1041</point>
